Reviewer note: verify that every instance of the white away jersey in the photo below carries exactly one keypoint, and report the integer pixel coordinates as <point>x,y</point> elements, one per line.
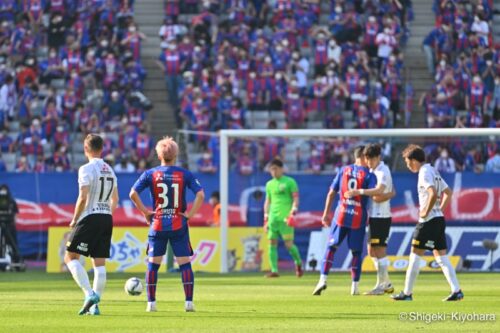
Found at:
<point>428,176</point>
<point>101,179</point>
<point>382,209</point>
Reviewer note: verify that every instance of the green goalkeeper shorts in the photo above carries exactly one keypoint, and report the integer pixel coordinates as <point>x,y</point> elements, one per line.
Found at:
<point>275,230</point>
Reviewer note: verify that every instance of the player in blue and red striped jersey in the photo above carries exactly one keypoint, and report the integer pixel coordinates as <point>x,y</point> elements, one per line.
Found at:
<point>350,216</point>
<point>168,221</point>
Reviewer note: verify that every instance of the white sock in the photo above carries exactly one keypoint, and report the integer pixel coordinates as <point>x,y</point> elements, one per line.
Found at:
<point>80,276</point>
<point>383,265</point>
<point>449,272</point>
<point>412,273</point>
<point>376,265</point>
<point>323,278</point>
<point>99,279</point>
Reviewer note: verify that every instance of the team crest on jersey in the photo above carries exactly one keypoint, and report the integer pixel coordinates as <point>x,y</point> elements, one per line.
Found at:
<point>197,182</point>
<point>282,188</point>
<point>158,177</point>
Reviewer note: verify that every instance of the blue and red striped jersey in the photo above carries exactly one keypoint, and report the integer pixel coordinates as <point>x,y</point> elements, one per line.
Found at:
<point>352,213</point>
<point>167,185</point>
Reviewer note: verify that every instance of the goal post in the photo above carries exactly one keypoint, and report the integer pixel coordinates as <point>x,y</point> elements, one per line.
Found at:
<point>226,135</point>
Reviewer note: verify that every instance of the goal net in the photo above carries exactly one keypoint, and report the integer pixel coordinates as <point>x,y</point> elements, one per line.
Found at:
<point>313,157</point>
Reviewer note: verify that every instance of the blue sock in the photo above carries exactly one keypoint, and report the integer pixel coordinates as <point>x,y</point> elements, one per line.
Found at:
<point>151,279</point>
<point>327,263</point>
<point>187,280</point>
<point>356,266</point>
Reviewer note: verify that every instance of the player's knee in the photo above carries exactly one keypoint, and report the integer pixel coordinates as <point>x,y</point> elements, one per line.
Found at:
<point>439,261</point>
<point>69,256</point>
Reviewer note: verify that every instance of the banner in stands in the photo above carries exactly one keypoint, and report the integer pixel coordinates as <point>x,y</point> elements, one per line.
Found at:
<point>246,249</point>
<point>48,199</point>
<point>463,242</point>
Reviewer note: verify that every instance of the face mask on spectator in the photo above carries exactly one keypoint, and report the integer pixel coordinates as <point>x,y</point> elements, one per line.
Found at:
<point>332,44</point>
<point>171,46</point>
<point>60,129</point>
<point>278,76</point>
<point>489,62</point>
<point>350,70</point>
<point>444,154</point>
<point>372,19</point>
<point>104,43</point>
<point>52,54</point>
<point>206,156</point>
<point>321,35</point>
<point>338,9</point>
<point>442,63</point>
<point>362,83</point>
<point>279,48</point>
<point>387,31</point>
<point>477,79</point>
<point>132,29</point>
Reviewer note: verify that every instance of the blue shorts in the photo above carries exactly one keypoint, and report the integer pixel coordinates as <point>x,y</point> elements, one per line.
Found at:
<point>355,237</point>
<point>179,240</point>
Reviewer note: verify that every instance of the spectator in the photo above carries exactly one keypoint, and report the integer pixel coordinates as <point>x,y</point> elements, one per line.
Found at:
<point>125,166</point>
<point>493,163</point>
<point>445,164</point>
<point>6,142</point>
<point>206,164</point>
<point>171,64</point>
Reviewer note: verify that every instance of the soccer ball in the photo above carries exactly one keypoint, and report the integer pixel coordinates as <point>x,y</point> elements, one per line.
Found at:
<point>133,286</point>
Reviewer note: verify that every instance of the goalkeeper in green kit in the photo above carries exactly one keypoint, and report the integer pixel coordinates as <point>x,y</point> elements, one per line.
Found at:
<point>282,201</point>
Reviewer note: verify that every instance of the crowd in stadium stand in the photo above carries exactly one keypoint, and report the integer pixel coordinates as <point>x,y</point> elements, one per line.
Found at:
<point>236,57</point>
<point>66,67</point>
<point>465,64</point>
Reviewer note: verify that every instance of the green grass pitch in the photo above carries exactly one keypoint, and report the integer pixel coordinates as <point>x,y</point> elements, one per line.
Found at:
<point>40,302</point>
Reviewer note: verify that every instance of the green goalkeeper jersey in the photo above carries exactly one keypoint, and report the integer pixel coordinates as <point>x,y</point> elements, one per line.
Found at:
<point>280,193</point>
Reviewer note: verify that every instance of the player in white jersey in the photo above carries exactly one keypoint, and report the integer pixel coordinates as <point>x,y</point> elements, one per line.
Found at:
<point>433,197</point>
<point>92,223</point>
<point>379,220</point>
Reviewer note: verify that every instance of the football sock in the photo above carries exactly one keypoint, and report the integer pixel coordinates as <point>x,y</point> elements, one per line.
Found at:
<point>99,280</point>
<point>80,276</point>
<point>151,280</point>
<point>327,261</point>
<point>383,269</point>
<point>356,266</point>
<point>412,273</point>
<point>187,280</point>
<point>376,265</point>
<point>294,252</point>
<point>273,258</point>
<point>449,272</point>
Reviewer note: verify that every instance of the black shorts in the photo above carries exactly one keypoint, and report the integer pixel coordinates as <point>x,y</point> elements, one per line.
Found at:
<point>430,235</point>
<point>378,231</point>
<point>91,236</point>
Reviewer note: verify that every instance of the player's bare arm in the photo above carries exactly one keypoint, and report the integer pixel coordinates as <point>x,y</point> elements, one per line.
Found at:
<point>384,196</point>
<point>136,199</point>
<point>325,220</point>
<point>425,210</point>
<point>114,199</point>
<point>368,192</point>
<point>81,202</point>
<point>446,198</point>
<point>198,201</point>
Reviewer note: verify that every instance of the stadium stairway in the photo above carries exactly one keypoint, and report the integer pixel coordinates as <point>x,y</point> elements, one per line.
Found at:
<point>149,17</point>
<point>496,21</point>
<point>416,68</point>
